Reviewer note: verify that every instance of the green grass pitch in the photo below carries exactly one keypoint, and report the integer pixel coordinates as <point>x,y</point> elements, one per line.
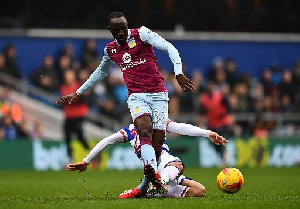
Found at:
<point>263,188</point>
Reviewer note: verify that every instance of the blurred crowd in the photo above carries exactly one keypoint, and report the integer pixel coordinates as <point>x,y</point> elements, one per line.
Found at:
<point>13,124</point>
<point>200,15</point>
<point>221,94</point>
<point>224,94</point>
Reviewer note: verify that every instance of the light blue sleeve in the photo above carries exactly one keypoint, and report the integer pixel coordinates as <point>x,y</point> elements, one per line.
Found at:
<point>99,74</point>
<point>152,38</point>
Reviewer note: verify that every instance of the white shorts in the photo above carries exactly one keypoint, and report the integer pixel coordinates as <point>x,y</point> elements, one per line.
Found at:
<point>174,189</point>
<point>153,104</point>
<point>165,159</point>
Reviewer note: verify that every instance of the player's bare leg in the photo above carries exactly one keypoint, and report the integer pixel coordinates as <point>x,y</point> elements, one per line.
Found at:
<point>144,128</point>
<point>157,141</point>
<point>143,125</point>
<point>195,189</point>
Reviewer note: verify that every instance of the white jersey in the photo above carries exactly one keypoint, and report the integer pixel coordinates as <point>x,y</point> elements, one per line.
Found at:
<point>129,134</point>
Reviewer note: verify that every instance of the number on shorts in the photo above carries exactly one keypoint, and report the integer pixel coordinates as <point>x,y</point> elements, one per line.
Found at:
<point>155,116</point>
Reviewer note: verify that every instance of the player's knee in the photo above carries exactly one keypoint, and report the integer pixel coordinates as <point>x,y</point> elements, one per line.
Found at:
<point>158,137</point>
<point>180,168</point>
<point>178,165</point>
<point>197,190</point>
<point>201,191</point>
<point>145,132</point>
<point>144,126</point>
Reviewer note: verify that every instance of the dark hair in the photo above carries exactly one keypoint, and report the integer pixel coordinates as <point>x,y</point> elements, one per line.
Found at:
<point>116,14</point>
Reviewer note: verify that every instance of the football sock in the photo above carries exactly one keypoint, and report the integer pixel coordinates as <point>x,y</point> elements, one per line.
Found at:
<point>144,185</point>
<point>158,149</point>
<point>169,173</point>
<point>148,155</point>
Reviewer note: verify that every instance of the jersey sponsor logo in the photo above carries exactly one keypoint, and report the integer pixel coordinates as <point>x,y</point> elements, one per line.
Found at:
<point>125,66</point>
<point>131,43</point>
<point>126,58</point>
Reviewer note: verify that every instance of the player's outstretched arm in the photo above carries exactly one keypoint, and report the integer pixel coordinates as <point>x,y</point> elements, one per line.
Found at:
<point>81,166</point>
<point>115,138</point>
<point>152,38</point>
<point>100,73</point>
<point>190,130</point>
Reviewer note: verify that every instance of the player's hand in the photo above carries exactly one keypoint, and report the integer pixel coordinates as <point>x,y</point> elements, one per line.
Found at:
<point>216,139</point>
<point>71,97</point>
<point>185,83</point>
<point>81,166</point>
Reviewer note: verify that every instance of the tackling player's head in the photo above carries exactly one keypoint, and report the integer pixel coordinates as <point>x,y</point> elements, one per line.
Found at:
<point>118,26</point>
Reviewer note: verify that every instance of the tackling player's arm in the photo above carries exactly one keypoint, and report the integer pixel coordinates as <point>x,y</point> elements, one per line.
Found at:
<point>190,130</point>
<point>152,38</point>
<point>99,74</point>
<point>115,138</point>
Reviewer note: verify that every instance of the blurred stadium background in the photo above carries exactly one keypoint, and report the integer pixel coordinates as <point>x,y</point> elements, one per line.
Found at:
<point>247,53</point>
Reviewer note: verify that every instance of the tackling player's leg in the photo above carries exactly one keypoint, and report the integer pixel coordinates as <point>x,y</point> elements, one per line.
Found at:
<point>169,173</point>
<point>132,193</point>
<point>144,127</point>
<point>195,189</point>
<point>189,188</point>
<point>172,171</point>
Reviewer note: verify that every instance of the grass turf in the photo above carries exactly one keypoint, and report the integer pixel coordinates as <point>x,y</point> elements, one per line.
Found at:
<point>263,188</point>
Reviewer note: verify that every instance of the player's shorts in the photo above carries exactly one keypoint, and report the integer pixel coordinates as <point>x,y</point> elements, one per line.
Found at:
<point>175,189</point>
<point>153,104</point>
<point>165,159</point>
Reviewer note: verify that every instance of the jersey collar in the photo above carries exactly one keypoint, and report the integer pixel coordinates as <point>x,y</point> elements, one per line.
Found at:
<point>128,36</point>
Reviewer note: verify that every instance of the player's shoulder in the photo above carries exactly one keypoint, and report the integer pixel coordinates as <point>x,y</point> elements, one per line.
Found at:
<point>146,34</point>
<point>135,32</point>
<point>112,44</point>
<point>129,132</point>
<point>110,48</point>
<point>144,30</point>
<point>129,129</point>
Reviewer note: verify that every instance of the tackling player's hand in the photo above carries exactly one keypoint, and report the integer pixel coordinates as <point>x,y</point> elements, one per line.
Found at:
<point>81,166</point>
<point>185,83</point>
<point>216,139</point>
<point>71,97</point>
